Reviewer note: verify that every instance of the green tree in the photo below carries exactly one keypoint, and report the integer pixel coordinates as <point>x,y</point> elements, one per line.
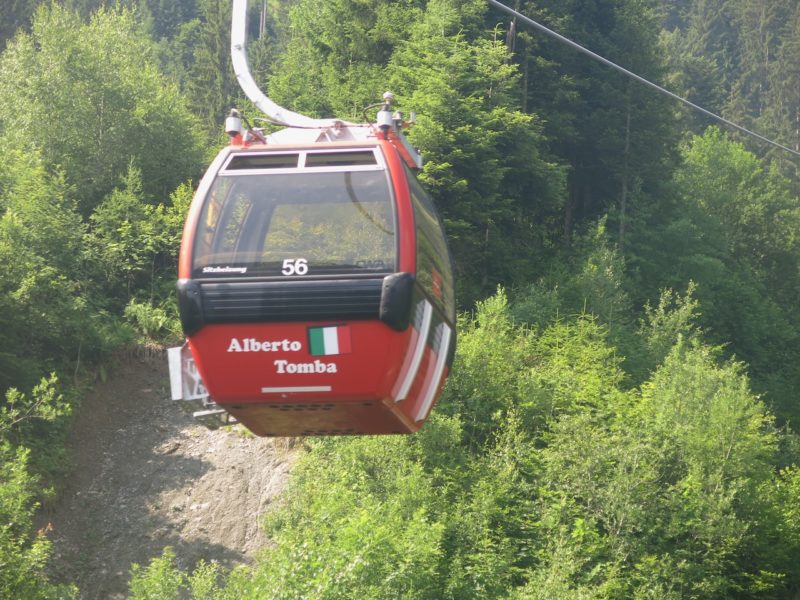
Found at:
<point>660,493</point>
<point>485,166</point>
<point>96,92</point>
<point>335,63</point>
<point>125,238</point>
<point>617,137</point>
<point>719,448</point>
<point>729,226</point>
<point>14,15</point>
<point>23,554</point>
<point>41,273</point>
<point>211,84</point>
<point>168,15</point>
<point>781,99</point>
<point>160,579</point>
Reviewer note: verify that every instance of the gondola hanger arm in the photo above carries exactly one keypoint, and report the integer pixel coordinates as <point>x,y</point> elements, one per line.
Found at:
<point>388,125</point>
<point>249,86</point>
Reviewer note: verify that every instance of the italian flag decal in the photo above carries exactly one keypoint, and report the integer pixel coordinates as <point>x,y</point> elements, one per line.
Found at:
<point>326,341</point>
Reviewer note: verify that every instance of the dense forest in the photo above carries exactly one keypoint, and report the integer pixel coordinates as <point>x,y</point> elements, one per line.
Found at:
<point>620,421</point>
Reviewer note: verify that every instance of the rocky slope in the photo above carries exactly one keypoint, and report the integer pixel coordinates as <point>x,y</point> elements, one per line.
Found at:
<point>145,476</point>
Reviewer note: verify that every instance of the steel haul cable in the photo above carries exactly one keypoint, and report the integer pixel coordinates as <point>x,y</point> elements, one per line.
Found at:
<point>642,80</point>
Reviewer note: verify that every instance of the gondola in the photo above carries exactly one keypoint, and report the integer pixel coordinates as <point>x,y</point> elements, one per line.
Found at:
<point>315,286</point>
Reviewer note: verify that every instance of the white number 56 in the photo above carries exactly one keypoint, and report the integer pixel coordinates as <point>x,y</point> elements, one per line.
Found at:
<point>295,266</point>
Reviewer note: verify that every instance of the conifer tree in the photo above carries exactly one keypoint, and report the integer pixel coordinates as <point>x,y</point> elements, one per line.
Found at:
<point>91,100</point>
<point>212,84</point>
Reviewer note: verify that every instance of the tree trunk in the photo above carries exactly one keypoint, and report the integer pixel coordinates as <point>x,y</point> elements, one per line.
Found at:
<point>623,201</point>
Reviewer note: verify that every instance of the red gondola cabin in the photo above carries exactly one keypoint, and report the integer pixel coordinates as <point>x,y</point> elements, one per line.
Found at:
<point>316,288</point>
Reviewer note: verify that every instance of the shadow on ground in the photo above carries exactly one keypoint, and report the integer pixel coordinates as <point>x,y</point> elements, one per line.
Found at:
<point>145,476</point>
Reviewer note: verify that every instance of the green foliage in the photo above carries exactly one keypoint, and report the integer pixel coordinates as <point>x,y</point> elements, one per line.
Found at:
<point>96,91</point>
<point>736,58</point>
<point>23,555</point>
<point>44,403</point>
<point>44,307</point>
<point>616,137</point>
<point>132,248</point>
<point>731,228</point>
<point>540,475</point>
<point>124,234</point>
<point>204,582</point>
<point>589,280</point>
<point>159,581</point>
<point>211,82</point>
<point>163,580</point>
<point>80,104</point>
<point>718,444</point>
<point>334,64</point>
<point>474,139</point>
<point>776,536</point>
<point>153,323</point>
<point>656,483</point>
<point>357,518</point>
<point>490,355</point>
<point>669,322</point>
<point>132,245</point>
<point>14,15</point>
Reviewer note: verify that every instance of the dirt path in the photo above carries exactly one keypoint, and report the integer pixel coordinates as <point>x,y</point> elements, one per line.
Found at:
<point>146,476</point>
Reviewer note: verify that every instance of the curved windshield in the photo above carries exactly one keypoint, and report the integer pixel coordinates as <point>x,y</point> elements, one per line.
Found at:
<point>296,224</point>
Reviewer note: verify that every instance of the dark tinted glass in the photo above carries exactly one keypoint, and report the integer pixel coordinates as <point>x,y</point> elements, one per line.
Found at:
<point>263,161</point>
<point>434,267</point>
<point>340,159</point>
<point>295,225</point>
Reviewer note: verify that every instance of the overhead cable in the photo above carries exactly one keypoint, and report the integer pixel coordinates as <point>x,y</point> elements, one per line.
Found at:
<point>632,75</point>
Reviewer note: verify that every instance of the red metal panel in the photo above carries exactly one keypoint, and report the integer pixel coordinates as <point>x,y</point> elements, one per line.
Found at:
<point>272,362</point>
<point>407,236</point>
<point>265,375</point>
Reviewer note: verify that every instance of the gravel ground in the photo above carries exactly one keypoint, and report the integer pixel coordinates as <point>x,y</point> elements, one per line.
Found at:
<point>145,476</point>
